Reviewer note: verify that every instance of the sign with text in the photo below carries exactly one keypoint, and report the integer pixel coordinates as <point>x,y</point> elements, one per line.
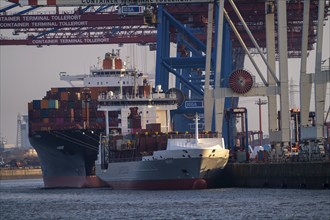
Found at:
<point>131,10</point>
<point>194,104</point>
<point>69,20</point>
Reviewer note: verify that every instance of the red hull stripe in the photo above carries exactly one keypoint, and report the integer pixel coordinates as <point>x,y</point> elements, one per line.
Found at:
<point>73,182</point>
<point>160,184</point>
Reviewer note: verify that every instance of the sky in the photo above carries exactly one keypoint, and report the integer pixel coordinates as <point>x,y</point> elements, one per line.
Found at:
<point>28,72</point>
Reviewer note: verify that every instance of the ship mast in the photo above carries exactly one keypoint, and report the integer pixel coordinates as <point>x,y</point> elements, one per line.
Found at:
<point>196,128</point>
<point>121,86</point>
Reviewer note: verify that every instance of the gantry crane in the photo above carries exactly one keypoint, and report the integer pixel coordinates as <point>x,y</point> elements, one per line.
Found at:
<point>196,56</point>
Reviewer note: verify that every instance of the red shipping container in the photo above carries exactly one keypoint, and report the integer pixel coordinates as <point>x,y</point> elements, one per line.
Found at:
<point>64,105</point>
<point>54,90</point>
<point>52,113</point>
<point>30,106</point>
<point>64,96</point>
<point>36,113</point>
<point>155,127</point>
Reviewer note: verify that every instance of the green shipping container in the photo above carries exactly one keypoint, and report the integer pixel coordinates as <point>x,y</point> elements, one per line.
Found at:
<point>71,104</point>
<point>53,104</point>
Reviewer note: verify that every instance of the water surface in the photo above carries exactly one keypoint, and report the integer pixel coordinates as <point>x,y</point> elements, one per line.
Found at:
<point>27,199</point>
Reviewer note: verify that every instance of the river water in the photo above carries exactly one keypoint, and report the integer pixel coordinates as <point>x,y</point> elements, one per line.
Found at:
<point>27,199</point>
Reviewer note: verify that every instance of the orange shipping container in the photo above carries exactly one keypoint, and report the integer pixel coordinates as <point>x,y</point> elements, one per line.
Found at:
<point>84,113</point>
<point>45,120</point>
<point>44,103</point>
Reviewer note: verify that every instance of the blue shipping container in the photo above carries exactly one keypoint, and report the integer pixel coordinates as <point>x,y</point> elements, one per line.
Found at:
<point>36,104</point>
<point>44,113</point>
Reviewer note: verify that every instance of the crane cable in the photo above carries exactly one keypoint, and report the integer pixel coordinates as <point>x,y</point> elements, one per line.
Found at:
<point>74,140</point>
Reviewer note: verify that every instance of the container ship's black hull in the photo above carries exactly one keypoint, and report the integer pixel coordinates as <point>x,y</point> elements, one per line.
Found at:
<point>64,128</point>
<point>67,157</point>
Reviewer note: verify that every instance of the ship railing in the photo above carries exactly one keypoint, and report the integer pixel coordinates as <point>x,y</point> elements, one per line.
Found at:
<point>293,154</point>
<point>325,68</point>
<point>106,139</point>
<point>98,72</point>
<point>109,96</point>
<point>41,126</point>
<point>188,135</point>
<point>127,159</point>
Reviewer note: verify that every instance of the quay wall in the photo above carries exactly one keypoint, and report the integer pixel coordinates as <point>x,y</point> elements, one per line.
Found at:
<point>20,173</point>
<point>310,175</point>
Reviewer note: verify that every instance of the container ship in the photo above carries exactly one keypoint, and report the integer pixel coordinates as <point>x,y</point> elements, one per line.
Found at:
<point>64,126</point>
<point>143,153</point>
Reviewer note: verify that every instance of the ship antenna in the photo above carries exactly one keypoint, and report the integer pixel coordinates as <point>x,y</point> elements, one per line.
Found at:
<point>196,128</point>
<point>121,86</point>
<point>113,59</point>
<point>135,84</point>
<point>99,62</point>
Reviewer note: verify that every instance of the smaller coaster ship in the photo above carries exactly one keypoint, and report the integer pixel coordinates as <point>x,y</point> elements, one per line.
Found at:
<point>143,153</point>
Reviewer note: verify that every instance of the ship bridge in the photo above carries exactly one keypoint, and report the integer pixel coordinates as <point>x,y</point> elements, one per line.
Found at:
<point>68,78</point>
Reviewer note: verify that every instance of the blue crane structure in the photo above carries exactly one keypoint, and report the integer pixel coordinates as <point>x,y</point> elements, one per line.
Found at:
<point>188,67</point>
<point>165,22</point>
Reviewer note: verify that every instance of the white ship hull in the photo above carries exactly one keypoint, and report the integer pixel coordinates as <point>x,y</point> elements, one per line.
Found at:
<point>177,169</point>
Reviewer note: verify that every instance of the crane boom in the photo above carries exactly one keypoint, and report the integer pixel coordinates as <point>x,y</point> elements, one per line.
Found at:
<point>103,2</point>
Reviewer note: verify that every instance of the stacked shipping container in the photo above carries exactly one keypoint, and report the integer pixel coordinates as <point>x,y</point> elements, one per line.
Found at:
<point>66,108</point>
<point>74,108</point>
